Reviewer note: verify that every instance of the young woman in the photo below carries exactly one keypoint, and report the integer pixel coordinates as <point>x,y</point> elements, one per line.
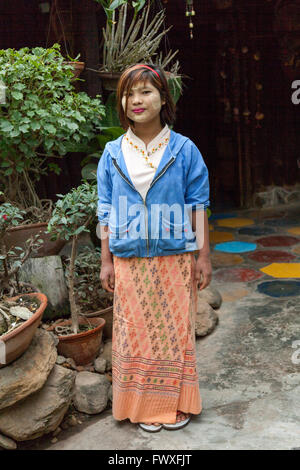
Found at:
<point>153,193</point>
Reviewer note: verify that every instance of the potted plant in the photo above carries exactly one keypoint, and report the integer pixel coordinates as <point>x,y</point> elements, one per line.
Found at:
<point>81,337</point>
<point>41,117</point>
<point>93,301</point>
<point>138,42</point>
<point>16,331</point>
<point>13,257</point>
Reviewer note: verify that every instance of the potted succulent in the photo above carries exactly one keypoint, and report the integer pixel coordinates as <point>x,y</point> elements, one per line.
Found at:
<point>138,42</point>
<point>16,330</point>
<point>81,337</point>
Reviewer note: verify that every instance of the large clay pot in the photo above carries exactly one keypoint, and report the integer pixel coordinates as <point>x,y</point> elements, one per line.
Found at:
<point>109,80</point>
<point>83,347</point>
<point>17,236</point>
<point>107,314</point>
<point>17,341</point>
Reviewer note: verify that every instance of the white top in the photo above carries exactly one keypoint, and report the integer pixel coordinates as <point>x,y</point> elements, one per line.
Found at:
<point>139,170</point>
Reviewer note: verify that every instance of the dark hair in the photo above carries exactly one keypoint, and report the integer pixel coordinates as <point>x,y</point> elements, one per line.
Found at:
<point>141,72</point>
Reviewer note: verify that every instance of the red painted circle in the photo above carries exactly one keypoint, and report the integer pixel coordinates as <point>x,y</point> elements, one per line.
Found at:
<point>278,241</point>
<point>271,256</point>
<point>237,275</point>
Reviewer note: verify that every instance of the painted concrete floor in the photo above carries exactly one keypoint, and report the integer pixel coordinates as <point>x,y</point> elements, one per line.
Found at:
<point>249,366</point>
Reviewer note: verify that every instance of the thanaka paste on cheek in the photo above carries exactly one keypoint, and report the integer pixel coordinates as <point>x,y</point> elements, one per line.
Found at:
<point>124,103</point>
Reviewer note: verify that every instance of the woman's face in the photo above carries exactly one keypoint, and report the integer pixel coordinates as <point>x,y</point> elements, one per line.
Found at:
<point>143,103</point>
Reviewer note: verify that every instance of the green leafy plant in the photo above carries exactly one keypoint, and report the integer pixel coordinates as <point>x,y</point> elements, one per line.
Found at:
<point>42,117</point>
<point>13,258</point>
<point>71,216</point>
<point>110,6</point>
<point>90,296</point>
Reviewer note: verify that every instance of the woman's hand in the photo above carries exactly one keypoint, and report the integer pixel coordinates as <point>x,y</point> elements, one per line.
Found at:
<point>107,276</point>
<point>202,271</point>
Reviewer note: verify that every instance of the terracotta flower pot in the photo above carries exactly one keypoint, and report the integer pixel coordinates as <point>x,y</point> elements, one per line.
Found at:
<point>17,341</point>
<point>17,236</point>
<point>78,67</point>
<point>109,80</point>
<point>107,314</point>
<point>83,347</point>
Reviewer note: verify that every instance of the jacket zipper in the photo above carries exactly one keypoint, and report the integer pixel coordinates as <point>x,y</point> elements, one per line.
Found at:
<point>162,172</point>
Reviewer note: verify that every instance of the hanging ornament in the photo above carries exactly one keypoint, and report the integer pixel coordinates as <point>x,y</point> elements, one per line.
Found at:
<point>189,13</point>
<point>259,116</point>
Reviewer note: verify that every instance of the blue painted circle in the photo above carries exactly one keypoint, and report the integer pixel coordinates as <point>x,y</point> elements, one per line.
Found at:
<point>235,247</point>
<point>282,222</point>
<point>221,216</point>
<point>256,231</point>
<point>279,288</point>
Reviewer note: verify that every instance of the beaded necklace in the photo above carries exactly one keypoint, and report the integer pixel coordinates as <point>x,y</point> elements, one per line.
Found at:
<point>151,152</point>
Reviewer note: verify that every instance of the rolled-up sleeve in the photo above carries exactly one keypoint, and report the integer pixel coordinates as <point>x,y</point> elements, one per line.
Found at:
<point>197,183</point>
<point>104,185</point>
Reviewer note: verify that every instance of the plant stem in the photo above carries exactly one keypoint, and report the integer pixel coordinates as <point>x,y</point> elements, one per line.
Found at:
<point>74,309</point>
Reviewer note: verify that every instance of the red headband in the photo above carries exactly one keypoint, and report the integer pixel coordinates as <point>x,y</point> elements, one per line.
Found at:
<point>147,67</point>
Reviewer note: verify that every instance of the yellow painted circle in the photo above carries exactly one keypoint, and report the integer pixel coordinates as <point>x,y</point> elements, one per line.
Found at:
<point>282,270</point>
<point>235,222</point>
<point>219,237</point>
<point>294,230</point>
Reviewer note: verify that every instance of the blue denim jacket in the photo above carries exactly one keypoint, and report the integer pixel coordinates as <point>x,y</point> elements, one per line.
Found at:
<point>161,224</point>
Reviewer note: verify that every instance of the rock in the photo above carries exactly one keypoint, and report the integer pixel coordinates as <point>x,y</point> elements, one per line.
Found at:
<point>72,421</point>
<point>53,441</point>
<point>100,365</point>
<point>60,360</point>
<point>206,319</point>
<point>21,312</point>
<point>28,373</point>
<point>7,443</point>
<point>47,275</point>
<point>56,432</point>
<point>91,392</point>
<point>211,296</point>
<point>71,363</point>
<point>41,412</point>
<point>107,354</point>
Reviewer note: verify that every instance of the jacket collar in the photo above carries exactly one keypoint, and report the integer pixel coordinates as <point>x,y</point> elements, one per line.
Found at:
<point>171,151</point>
